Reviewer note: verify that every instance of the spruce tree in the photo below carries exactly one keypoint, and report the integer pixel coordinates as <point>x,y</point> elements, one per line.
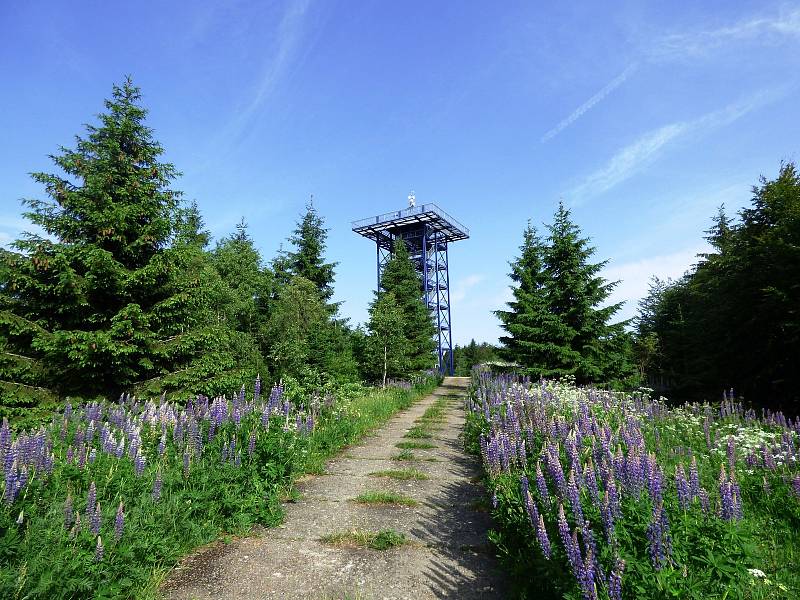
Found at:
<point>308,258</point>
<point>87,301</point>
<point>556,323</point>
<point>575,294</point>
<point>401,278</point>
<point>535,333</point>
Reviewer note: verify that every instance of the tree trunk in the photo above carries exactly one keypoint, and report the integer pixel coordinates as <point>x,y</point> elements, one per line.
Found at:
<point>384,367</point>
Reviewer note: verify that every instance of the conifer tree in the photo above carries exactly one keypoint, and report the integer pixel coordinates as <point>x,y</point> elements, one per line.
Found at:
<point>308,258</point>
<point>556,323</point>
<point>575,294</point>
<point>400,277</point>
<point>119,294</point>
<point>533,328</point>
<point>87,300</point>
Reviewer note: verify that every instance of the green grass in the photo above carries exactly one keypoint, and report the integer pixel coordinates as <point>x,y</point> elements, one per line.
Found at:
<point>214,501</point>
<point>404,455</point>
<point>415,445</point>
<point>418,432</point>
<point>384,497</point>
<point>358,538</point>
<point>401,474</point>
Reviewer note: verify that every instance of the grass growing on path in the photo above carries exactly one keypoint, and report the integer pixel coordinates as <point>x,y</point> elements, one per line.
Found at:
<point>415,445</point>
<point>402,474</point>
<point>404,455</point>
<point>418,432</point>
<point>383,497</point>
<point>358,538</point>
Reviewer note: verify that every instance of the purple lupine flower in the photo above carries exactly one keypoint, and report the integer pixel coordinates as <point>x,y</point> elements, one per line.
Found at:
<point>705,502</point>
<point>5,440</point>
<point>607,516</point>
<point>655,479</point>
<point>119,522</point>
<point>796,485</point>
<point>769,458</point>
<point>725,496</point>
<point>570,544</point>
<point>659,537</point>
<point>186,464</point>
<point>590,480</point>
<point>494,499</point>
<point>555,470</point>
<point>615,580</point>
<point>237,462</point>
<point>541,484</point>
<point>586,576</point>
<point>257,390</point>
<point>694,478</point>
<point>139,464</point>
<point>69,512</point>
<point>91,499</point>
<point>682,487</point>
<point>98,551</point>
<point>157,484</point>
<point>92,456</point>
<point>574,498</point>
<point>162,444</point>
<point>544,541</point>
<point>96,519</point>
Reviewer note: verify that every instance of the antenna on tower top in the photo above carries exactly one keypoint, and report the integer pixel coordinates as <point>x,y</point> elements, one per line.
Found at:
<point>412,200</point>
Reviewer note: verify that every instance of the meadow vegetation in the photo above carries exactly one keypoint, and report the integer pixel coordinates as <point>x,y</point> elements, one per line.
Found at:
<point>600,494</point>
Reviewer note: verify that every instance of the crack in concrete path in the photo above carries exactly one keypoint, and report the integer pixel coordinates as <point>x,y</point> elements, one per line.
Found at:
<point>448,556</point>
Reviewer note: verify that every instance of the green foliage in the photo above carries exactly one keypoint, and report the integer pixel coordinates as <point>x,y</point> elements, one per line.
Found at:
<point>87,305</point>
<point>307,260</point>
<point>297,316</point>
<point>401,278</point>
<point>466,357</point>
<point>120,294</point>
<point>754,555</point>
<point>733,320</point>
<point>40,558</point>
<point>386,347</point>
<point>556,324</point>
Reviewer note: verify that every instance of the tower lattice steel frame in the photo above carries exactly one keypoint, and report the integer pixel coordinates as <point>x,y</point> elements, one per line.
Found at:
<point>427,230</point>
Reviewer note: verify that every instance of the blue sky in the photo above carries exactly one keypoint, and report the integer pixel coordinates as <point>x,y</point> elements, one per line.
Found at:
<point>643,119</point>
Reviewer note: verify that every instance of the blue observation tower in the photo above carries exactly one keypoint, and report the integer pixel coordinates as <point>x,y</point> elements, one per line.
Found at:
<point>426,230</point>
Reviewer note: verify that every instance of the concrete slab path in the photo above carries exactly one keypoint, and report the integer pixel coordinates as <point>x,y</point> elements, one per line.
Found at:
<point>447,557</point>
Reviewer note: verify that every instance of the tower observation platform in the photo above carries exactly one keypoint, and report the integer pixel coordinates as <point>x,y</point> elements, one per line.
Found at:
<point>426,230</point>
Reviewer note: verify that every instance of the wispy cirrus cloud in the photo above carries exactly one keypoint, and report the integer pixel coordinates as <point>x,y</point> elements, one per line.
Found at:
<point>773,28</point>
<point>635,156</point>
<point>287,41</point>
<point>590,103</point>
